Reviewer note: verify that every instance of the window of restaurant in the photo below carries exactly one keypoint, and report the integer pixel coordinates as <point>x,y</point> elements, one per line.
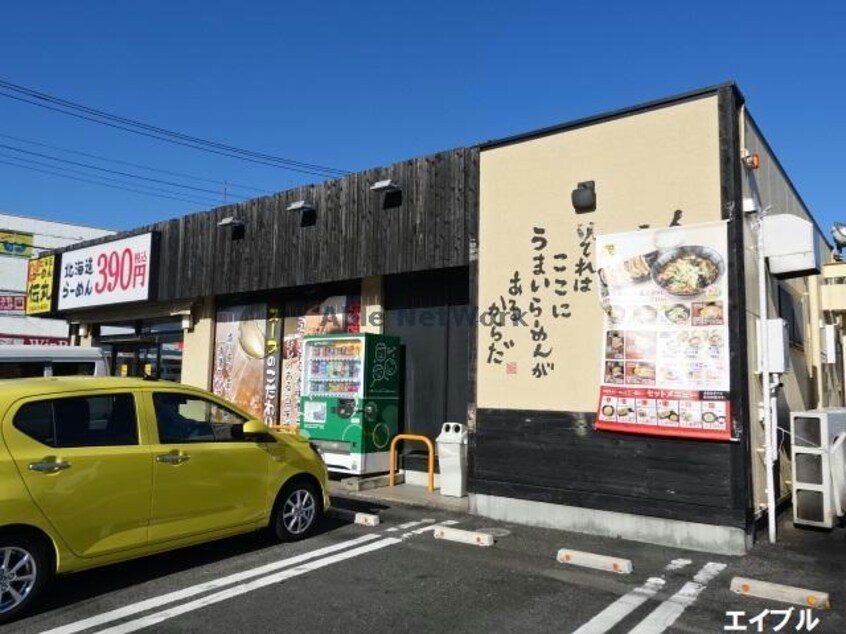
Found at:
<point>150,347</point>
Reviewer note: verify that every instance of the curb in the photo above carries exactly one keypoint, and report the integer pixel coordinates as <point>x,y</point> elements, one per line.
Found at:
<point>474,538</point>
<point>597,562</point>
<point>778,592</point>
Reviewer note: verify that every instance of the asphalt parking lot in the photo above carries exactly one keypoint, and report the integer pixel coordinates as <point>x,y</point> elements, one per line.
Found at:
<point>398,577</point>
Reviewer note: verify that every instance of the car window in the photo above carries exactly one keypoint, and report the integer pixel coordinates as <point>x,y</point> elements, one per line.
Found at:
<point>21,369</point>
<point>73,368</point>
<point>185,418</point>
<point>80,421</point>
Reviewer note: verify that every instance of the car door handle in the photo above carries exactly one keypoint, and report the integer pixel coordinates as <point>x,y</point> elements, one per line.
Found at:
<point>173,458</point>
<point>49,466</point>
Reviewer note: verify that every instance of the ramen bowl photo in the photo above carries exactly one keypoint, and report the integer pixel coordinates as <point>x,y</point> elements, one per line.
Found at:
<point>687,271</point>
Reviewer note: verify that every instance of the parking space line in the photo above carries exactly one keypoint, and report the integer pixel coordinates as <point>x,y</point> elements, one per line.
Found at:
<point>178,595</point>
<point>630,602</point>
<point>670,610</point>
<point>405,526</point>
<point>234,591</point>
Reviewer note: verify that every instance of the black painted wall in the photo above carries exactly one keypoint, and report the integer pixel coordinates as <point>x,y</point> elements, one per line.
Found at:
<point>430,313</point>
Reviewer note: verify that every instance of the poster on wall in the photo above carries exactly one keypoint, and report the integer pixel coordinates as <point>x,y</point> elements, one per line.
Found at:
<point>665,368</point>
<point>113,272</point>
<point>240,348</point>
<point>340,313</point>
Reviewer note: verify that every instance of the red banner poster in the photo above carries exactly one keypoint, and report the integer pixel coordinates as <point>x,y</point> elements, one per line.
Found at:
<point>665,342</point>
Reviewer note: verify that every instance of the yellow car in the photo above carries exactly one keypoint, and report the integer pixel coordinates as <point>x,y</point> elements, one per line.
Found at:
<point>99,470</point>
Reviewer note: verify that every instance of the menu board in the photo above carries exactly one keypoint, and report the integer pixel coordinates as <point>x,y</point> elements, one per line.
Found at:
<point>665,367</point>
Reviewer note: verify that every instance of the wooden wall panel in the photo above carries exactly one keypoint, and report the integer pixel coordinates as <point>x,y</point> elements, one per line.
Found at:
<point>355,233</point>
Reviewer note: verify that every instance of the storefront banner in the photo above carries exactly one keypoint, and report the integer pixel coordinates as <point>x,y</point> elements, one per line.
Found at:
<point>14,303</point>
<point>272,340</point>
<point>114,272</point>
<point>26,340</point>
<point>15,243</point>
<point>240,348</point>
<point>665,367</point>
<point>339,313</point>
<point>39,284</point>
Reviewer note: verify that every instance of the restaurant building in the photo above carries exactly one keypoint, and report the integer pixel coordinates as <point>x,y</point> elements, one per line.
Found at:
<point>584,297</point>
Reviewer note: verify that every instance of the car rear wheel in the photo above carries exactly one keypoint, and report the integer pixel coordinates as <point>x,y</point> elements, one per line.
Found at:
<point>297,512</point>
<point>24,571</point>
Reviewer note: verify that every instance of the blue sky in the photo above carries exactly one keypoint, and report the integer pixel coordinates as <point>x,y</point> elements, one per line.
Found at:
<point>356,84</point>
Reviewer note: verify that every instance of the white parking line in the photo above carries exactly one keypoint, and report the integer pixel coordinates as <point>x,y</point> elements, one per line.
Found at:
<point>405,526</point>
<point>228,593</point>
<point>630,602</point>
<point>178,595</point>
<point>666,614</point>
<point>216,584</point>
<point>621,608</point>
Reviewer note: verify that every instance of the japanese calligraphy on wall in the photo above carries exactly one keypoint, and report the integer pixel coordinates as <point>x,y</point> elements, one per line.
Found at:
<point>665,355</point>
<point>15,243</point>
<point>533,299</point>
<point>110,273</point>
<point>39,284</point>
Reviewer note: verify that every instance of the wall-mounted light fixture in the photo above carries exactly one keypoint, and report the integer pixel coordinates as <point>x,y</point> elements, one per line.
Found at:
<point>300,205</point>
<point>387,185</point>
<point>187,322</point>
<point>584,197</point>
<point>230,221</point>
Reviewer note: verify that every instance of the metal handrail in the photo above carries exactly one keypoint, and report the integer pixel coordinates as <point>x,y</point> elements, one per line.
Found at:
<point>392,460</point>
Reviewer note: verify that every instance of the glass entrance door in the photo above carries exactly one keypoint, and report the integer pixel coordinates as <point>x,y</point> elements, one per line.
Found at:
<point>135,359</point>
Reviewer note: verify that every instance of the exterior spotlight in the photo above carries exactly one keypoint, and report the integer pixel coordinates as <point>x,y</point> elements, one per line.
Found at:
<point>584,197</point>
<point>231,221</point>
<point>300,205</point>
<point>387,185</point>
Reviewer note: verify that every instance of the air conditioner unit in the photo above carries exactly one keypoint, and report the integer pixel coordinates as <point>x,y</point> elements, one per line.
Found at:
<point>818,452</point>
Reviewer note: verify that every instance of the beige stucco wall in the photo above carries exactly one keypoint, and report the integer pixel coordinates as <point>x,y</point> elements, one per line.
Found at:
<point>197,354</point>
<point>645,166</point>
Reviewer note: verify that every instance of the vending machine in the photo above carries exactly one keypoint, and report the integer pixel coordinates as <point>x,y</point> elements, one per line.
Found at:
<point>349,400</point>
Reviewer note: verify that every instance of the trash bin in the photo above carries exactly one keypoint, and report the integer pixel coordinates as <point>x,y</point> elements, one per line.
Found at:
<point>452,459</point>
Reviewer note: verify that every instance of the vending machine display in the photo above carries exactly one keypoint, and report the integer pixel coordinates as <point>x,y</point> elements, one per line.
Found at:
<point>349,402</point>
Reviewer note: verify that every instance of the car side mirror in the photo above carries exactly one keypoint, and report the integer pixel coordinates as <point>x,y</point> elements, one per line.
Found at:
<point>257,431</point>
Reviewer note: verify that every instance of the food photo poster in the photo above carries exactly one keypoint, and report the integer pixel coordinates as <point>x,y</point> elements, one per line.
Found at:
<point>665,368</point>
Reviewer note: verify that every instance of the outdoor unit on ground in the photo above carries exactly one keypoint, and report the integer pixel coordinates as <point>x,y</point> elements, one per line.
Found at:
<point>819,466</point>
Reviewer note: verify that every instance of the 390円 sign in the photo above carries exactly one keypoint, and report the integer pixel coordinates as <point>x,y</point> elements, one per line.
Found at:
<point>110,273</point>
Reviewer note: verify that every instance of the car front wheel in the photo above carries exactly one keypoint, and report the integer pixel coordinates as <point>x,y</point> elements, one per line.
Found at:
<point>297,511</point>
<point>24,570</point>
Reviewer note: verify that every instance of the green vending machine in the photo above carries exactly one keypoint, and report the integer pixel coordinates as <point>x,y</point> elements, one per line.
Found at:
<point>349,399</point>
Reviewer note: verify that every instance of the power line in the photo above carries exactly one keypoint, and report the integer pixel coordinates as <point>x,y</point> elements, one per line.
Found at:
<point>131,125</point>
<point>195,198</point>
<point>111,171</point>
<point>138,165</point>
<point>102,184</point>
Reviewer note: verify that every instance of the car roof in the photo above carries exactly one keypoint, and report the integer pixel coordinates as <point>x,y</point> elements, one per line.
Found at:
<point>62,384</point>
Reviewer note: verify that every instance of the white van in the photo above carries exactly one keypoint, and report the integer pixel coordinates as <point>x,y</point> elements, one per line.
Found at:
<point>29,361</point>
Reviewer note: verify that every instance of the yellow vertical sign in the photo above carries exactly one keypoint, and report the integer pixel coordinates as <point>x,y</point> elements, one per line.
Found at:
<point>39,285</point>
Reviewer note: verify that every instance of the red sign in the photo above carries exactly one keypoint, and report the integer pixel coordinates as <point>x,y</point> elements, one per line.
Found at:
<point>26,340</point>
<point>12,303</point>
